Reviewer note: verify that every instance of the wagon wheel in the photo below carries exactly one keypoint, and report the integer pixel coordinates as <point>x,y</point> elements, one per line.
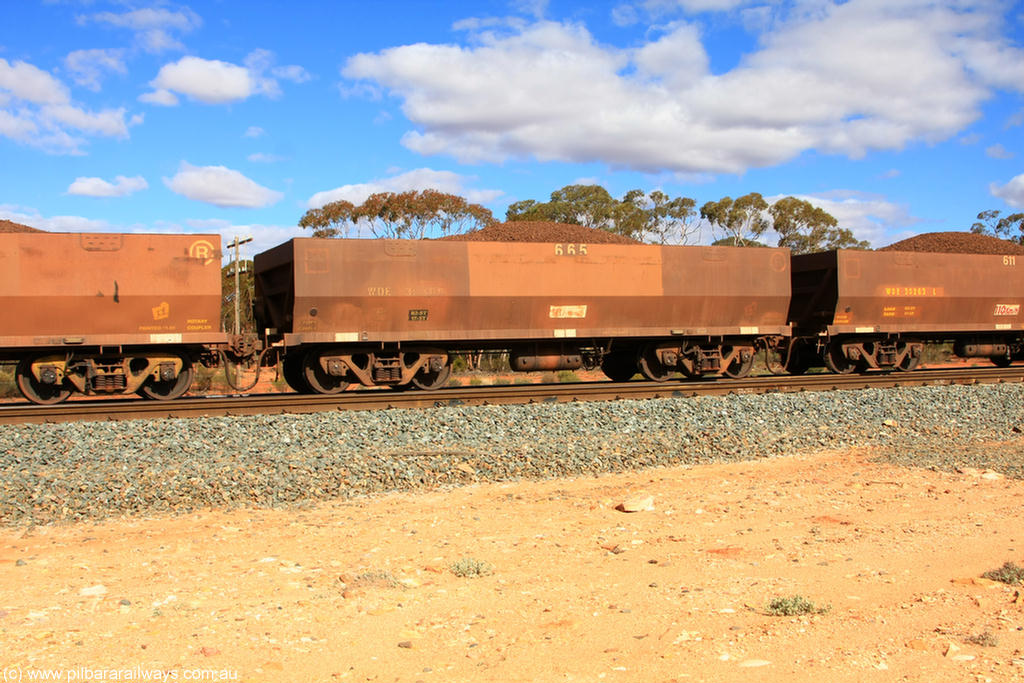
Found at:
<point>836,360</point>
<point>428,380</point>
<point>170,389</point>
<point>739,368</point>
<point>908,363</point>
<point>291,369</point>
<point>651,367</point>
<point>1001,361</point>
<point>318,380</point>
<point>619,366</point>
<point>36,391</point>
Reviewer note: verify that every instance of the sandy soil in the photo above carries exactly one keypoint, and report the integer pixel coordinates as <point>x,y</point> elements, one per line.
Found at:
<point>580,591</point>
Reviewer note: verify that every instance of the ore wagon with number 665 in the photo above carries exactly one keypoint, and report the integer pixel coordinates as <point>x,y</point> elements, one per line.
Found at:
<point>394,312</point>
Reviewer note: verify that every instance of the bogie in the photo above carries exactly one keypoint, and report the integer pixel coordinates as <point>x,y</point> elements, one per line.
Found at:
<point>160,374</point>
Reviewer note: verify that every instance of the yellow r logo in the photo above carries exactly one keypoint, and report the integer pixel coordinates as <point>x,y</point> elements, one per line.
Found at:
<point>202,249</point>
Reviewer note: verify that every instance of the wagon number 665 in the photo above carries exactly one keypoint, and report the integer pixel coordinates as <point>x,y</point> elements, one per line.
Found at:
<point>1009,260</point>
<point>570,249</point>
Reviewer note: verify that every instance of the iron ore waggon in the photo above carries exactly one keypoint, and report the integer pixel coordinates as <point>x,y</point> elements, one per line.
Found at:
<point>108,313</point>
<point>393,312</point>
<point>864,310</point>
<point>122,313</point>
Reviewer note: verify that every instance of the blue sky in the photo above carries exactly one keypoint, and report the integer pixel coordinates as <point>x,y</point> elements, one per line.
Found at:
<point>897,116</point>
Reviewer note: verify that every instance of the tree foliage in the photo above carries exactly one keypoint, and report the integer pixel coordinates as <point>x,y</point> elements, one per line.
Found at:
<point>731,242</point>
<point>653,217</point>
<point>659,218</point>
<point>742,219</point>
<point>587,205</point>
<point>806,228</point>
<point>1006,227</point>
<point>800,226</point>
<point>246,294</point>
<point>398,215</point>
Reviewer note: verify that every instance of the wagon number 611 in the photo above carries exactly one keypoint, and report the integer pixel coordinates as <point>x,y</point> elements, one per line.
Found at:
<point>570,249</point>
<point>1009,260</point>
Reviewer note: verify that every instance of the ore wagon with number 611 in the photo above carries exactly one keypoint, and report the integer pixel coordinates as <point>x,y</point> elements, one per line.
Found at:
<point>876,310</point>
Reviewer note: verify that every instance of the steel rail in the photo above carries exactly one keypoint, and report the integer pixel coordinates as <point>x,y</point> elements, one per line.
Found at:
<point>261,404</point>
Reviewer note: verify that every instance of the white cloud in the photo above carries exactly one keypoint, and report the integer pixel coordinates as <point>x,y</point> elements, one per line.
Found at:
<point>625,15</point>
<point>207,80</point>
<point>220,186</point>
<point>488,23</point>
<point>154,27</point>
<point>151,18</point>
<point>1012,192</point>
<point>160,97</point>
<point>696,6</point>
<point>536,8</point>
<point>253,132</point>
<point>677,58</point>
<point>262,158</point>
<point>37,110</point>
<point>212,81</point>
<point>263,236</point>
<point>841,78</point>
<point>30,83</point>
<point>997,151</point>
<point>87,67</point>
<point>98,187</point>
<point>417,179</point>
<point>33,218</point>
<point>16,127</point>
<point>869,217</point>
<point>293,73</point>
<point>109,122</point>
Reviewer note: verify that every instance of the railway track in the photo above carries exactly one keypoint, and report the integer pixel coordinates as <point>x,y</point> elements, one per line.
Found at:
<point>132,409</point>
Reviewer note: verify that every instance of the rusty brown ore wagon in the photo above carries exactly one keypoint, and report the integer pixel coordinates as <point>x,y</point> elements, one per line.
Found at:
<point>860,310</point>
<point>108,313</point>
<point>393,312</point>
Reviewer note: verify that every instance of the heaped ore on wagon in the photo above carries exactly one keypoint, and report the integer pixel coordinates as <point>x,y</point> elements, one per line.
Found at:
<point>394,312</point>
<point>108,313</point>
<point>864,310</point>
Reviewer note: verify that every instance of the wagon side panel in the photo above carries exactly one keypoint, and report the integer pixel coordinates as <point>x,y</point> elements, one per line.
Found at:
<point>928,292</point>
<point>60,288</point>
<point>378,290</point>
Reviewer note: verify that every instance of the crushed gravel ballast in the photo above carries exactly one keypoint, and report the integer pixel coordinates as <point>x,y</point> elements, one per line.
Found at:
<point>78,471</point>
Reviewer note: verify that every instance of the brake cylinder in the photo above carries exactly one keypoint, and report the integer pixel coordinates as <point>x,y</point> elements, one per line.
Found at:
<point>979,350</point>
<point>544,359</point>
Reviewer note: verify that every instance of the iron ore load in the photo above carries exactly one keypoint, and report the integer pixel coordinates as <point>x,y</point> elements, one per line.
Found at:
<point>384,312</point>
<point>110,314</point>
